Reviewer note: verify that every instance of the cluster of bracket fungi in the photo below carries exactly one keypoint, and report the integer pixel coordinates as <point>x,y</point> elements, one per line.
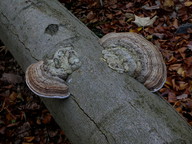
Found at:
<point>123,52</point>
<point>47,78</point>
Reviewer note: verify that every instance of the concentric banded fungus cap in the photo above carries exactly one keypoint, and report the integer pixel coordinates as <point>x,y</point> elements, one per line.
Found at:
<point>47,78</point>
<point>43,84</point>
<point>133,54</point>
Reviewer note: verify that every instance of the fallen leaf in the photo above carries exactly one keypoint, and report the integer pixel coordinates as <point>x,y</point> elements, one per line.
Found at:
<point>189,72</point>
<point>90,15</point>
<point>181,72</point>
<point>172,59</point>
<point>167,54</point>
<point>29,139</point>
<point>32,106</point>
<point>9,115</point>
<point>46,118</point>
<point>53,133</point>
<point>182,52</point>
<point>24,128</point>
<point>188,3</point>
<point>38,121</point>
<point>2,130</point>
<point>182,85</point>
<point>173,84</point>
<point>175,23</point>
<point>188,61</point>
<point>110,16</point>
<point>26,143</point>
<point>179,109</point>
<point>189,104</point>
<point>159,35</point>
<point>143,22</point>
<point>169,81</point>
<point>149,37</point>
<point>174,67</point>
<point>183,96</point>
<point>172,97</point>
<point>13,96</point>
<point>13,124</point>
<point>129,15</point>
<point>168,3</point>
<point>154,7</point>
<point>177,104</point>
<point>11,78</point>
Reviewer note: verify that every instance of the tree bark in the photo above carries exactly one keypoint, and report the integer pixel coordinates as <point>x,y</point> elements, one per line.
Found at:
<point>105,106</point>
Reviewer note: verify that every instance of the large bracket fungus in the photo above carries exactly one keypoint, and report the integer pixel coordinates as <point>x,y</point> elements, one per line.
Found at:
<point>47,78</point>
<point>133,54</point>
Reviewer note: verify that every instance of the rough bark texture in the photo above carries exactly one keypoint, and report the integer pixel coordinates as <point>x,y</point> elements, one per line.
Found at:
<point>105,107</point>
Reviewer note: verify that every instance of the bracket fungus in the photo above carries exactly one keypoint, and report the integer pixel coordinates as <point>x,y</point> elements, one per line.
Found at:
<point>47,78</point>
<point>133,54</point>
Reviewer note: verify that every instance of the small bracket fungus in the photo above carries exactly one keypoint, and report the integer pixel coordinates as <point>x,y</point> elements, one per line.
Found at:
<point>47,78</point>
<point>133,54</point>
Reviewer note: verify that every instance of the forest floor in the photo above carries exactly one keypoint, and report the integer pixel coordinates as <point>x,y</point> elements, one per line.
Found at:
<point>166,23</point>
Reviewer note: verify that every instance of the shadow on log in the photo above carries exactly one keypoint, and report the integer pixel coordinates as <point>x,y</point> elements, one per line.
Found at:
<point>105,107</point>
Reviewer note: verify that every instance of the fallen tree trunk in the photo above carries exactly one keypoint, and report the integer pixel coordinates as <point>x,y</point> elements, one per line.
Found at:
<point>105,106</point>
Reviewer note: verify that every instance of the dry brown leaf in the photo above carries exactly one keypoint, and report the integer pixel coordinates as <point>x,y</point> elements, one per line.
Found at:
<point>177,104</point>
<point>182,52</point>
<point>11,78</point>
<point>13,96</point>
<point>190,122</point>
<point>168,3</point>
<point>129,15</point>
<point>172,59</point>
<point>29,139</point>
<point>110,16</point>
<point>169,81</point>
<point>174,67</point>
<point>93,20</point>
<point>12,124</point>
<point>188,61</point>
<point>46,118</point>
<point>53,133</point>
<point>182,85</point>
<point>24,128</point>
<point>175,23</point>
<point>189,72</point>
<point>154,7</point>
<point>179,109</point>
<point>188,3</point>
<point>189,104</point>
<point>118,13</point>
<point>181,72</point>
<point>90,15</point>
<point>172,97</point>
<point>182,96</point>
<point>174,84</point>
<point>167,54</point>
<point>38,121</point>
<point>2,130</point>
